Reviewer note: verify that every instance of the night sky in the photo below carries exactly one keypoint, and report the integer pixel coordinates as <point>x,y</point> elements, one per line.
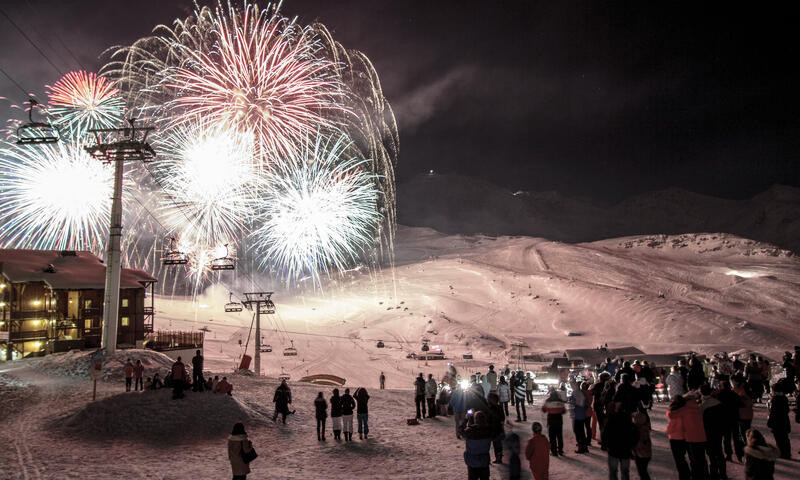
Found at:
<point>602,99</point>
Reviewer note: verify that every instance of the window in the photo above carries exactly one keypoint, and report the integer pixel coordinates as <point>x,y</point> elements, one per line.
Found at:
<point>124,303</point>
<point>87,303</point>
<point>87,324</point>
<point>126,321</point>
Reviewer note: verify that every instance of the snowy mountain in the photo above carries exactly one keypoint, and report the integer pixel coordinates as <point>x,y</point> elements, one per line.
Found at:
<point>457,204</point>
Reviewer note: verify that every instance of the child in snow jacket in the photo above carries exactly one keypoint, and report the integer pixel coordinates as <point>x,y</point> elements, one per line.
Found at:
<point>537,453</point>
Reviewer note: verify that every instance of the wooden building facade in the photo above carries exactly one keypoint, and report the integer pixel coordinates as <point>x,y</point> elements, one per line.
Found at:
<point>52,301</point>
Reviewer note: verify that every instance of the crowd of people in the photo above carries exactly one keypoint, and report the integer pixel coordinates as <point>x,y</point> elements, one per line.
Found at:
<point>177,378</point>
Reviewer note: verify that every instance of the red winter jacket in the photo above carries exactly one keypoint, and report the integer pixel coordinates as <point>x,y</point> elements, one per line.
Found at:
<point>693,422</point>
<point>675,420</point>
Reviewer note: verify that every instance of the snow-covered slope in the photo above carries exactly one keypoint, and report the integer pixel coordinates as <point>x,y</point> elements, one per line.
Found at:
<point>473,294</point>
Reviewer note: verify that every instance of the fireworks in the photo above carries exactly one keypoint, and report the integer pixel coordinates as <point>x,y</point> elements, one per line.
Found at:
<point>53,197</point>
<point>206,174</point>
<point>319,211</point>
<point>80,101</point>
<point>248,69</point>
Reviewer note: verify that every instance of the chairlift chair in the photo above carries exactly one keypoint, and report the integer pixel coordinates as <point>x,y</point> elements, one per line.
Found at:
<point>223,263</point>
<point>290,351</point>
<point>36,133</point>
<point>232,306</point>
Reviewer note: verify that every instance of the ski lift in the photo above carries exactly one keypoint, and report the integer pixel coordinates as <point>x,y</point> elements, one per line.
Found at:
<point>108,149</point>
<point>172,256</point>
<point>36,133</point>
<point>266,348</point>
<point>224,262</point>
<point>290,351</point>
<point>232,306</point>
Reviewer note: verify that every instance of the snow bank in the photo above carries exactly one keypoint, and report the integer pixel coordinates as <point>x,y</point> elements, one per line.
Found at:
<point>154,416</point>
<point>77,363</point>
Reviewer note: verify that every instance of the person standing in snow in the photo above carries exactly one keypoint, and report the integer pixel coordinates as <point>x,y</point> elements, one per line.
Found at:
<point>536,453</point>
<point>138,371</point>
<point>348,404</point>
<point>321,413</point>
<point>197,372</point>
<point>128,375</point>
<point>382,379</point>
<point>778,421</point>
<point>519,397</point>
<point>336,414</point>
<point>458,402</point>
<point>554,408</point>
<point>362,412</point>
<point>491,377</point>
<point>419,396</point>
<point>478,443</point>
<point>178,374</point>
<point>430,395</point>
<point>503,393</point>
<point>282,399</point>
<point>238,445</point>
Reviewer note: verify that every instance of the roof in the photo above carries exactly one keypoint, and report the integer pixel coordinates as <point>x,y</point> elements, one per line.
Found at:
<point>71,269</point>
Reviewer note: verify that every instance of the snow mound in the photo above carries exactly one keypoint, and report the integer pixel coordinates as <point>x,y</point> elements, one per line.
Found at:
<point>154,416</point>
<point>76,363</point>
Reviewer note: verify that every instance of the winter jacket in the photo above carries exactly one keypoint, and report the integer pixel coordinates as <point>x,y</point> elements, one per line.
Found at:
<point>643,448</point>
<point>419,387</point>
<point>478,442</point>
<point>746,406</point>
<point>236,445</point>
<point>675,419</point>
<point>491,377</point>
<point>618,435</point>
<point>504,392</point>
<point>138,370</point>
<point>361,398</point>
<point>336,406</point>
<point>321,408</point>
<point>431,388</point>
<point>778,420</point>
<point>178,371</point>
<point>675,384</point>
<point>128,370</point>
<point>348,404</point>
<point>554,408</point>
<point>693,422</point>
<point>759,462</point>
<point>197,363</point>
<point>538,454</point>
<point>457,401</point>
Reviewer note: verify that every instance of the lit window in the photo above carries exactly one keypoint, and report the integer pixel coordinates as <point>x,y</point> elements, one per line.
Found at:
<point>125,321</point>
<point>124,303</point>
<point>87,303</point>
<point>87,323</point>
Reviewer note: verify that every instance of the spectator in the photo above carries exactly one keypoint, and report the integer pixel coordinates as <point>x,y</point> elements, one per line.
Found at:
<point>128,375</point>
<point>536,453</point>
<point>362,412</point>
<point>321,413</point>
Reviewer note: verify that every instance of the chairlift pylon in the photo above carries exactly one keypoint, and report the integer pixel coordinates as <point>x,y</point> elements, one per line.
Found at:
<point>232,306</point>
<point>172,256</point>
<point>109,149</point>
<point>225,263</point>
<point>36,133</point>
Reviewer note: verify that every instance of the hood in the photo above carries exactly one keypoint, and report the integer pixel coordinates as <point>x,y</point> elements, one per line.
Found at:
<point>762,452</point>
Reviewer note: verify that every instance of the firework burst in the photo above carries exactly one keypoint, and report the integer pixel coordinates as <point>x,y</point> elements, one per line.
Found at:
<point>80,101</point>
<point>319,212</point>
<point>53,197</point>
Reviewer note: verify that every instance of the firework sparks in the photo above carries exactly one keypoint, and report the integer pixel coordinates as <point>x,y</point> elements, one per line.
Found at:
<point>80,101</point>
<point>53,197</point>
<point>319,212</point>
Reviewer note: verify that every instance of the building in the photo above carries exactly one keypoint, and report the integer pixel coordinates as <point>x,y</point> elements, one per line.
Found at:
<point>52,301</point>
